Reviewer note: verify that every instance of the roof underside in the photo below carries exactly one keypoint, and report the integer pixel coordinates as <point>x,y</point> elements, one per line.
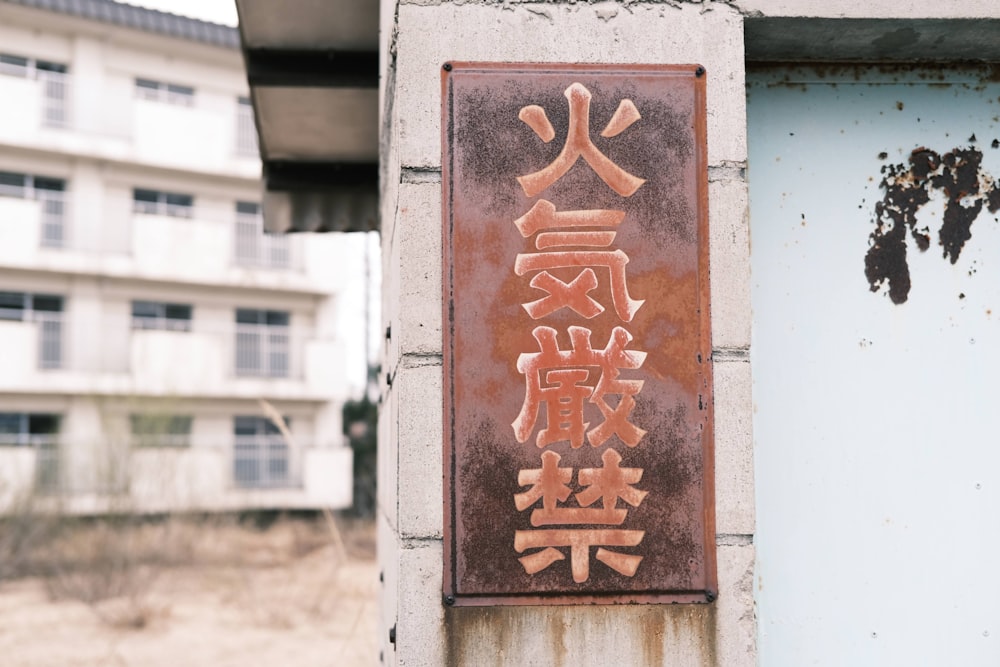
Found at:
<point>313,68</point>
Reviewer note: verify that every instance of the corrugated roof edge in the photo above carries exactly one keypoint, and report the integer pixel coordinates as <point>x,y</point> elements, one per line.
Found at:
<point>140,18</point>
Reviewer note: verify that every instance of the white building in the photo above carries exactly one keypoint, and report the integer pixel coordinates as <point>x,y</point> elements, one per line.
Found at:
<point>151,334</point>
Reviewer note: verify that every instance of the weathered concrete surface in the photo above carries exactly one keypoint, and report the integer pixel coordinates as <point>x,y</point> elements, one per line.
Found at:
<point>734,488</point>
<point>419,38</point>
<point>729,238</point>
<point>710,35</point>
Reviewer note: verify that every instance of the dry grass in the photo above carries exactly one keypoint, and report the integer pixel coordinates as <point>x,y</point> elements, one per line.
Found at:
<point>196,591</point>
<point>113,564</point>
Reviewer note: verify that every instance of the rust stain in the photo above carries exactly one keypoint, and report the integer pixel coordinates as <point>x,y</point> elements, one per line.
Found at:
<point>652,635</point>
<point>907,188</point>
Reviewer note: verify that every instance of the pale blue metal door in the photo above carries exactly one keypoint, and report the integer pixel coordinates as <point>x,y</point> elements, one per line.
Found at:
<point>876,426</point>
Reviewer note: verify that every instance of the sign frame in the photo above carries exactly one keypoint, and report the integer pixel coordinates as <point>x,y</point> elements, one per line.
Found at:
<point>453,593</point>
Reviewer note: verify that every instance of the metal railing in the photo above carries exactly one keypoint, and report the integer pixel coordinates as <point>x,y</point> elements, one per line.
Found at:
<point>246,131</point>
<point>54,223</point>
<point>263,461</point>
<point>48,472</point>
<point>263,351</point>
<point>51,353</point>
<point>55,98</point>
<point>46,449</point>
<point>255,248</point>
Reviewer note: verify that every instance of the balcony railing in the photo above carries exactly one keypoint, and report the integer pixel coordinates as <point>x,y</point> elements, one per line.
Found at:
<point>246,131</point>
<point>263,462</point>
<point>263,351</point>
<point>254,248</point>
<point>46,448</point>
<point>55,98</point>
<point>51,354</point>
<point>55,232</point>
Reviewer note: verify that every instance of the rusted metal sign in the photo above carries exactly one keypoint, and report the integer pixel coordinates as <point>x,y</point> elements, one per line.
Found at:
<point>577,369</point>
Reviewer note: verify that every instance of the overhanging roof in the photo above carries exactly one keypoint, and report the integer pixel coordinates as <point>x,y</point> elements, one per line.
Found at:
<point>313,69</point>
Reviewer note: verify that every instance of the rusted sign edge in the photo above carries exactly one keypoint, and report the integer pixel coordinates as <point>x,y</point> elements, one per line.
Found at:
<point>448,348</point>
<point>450,595</point>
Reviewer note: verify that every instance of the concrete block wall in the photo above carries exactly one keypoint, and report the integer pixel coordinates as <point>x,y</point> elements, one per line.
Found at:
<point>417,37</point>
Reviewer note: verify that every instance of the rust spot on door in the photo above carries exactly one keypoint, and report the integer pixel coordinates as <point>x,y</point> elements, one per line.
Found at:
<point>907,188</point>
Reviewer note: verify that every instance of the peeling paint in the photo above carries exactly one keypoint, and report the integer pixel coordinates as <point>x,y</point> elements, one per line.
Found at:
<point>906,189</point>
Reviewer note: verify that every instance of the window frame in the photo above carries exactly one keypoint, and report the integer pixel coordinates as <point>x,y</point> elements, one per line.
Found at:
<point>26,67</point>
<point>161,202</point>
<point>30,185</point>
<point>27,433</point>
<point>161,91</point>
<point>160,317</point>
<point>29,305</point>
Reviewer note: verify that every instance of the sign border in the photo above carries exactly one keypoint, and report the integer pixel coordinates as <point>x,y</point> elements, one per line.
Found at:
<point>450,596</point>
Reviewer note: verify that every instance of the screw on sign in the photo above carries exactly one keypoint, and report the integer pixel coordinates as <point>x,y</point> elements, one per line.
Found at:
<point>559,378</point>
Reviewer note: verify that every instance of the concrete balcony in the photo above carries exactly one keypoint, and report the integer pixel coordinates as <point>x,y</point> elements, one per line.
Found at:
<point>29,226</point>
<point>47,111</point>
<point>46,473</point>
<point>204,245</point>
<point>110,357</point>
<point>231,248</point>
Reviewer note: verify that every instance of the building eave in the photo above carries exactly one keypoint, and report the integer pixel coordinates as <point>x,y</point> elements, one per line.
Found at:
<point>313,70</point>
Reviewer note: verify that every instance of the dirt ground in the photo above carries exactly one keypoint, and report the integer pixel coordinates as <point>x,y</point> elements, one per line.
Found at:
<point>296,593</point>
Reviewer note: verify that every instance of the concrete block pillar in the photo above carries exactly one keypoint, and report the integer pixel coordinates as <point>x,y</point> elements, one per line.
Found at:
<point>416,628</point>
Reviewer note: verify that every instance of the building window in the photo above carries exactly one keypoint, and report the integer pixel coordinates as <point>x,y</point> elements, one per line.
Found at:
<point>262,343</point>
<point>24,429</point>
<point>14,65</point>
<point>256,248</point>
<point>155,202</point>
<point>161,430</point>
<point>46,311</point>
<point>54,80</point>
<point>28,68</point>
<point>25,306</point>
<point>158,91</point>
<point>158,315</point>
<point>246,129</point>
<point>50,193</point>
<point>260,453</point>
<point>28,186</point>
<point>39,431</point>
